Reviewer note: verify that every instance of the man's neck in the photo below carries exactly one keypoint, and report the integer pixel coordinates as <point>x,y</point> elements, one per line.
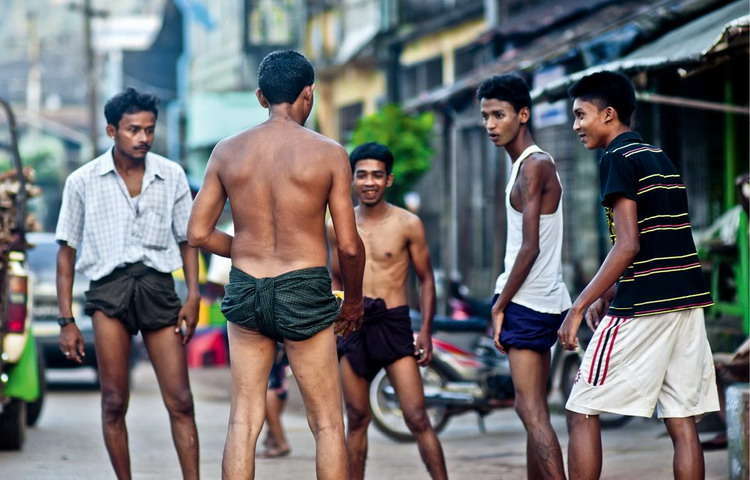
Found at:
<point>374,212</point>
<point>126,163</point>
<point>285,112</point>
<point>521,142</point>
<point>616,133</point>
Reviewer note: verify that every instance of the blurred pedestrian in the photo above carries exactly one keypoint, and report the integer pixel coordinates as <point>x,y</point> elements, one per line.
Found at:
<point>123,222</point>
<point>276,397</point>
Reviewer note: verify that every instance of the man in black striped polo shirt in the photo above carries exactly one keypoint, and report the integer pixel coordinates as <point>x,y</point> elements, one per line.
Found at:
<point>651,347</point>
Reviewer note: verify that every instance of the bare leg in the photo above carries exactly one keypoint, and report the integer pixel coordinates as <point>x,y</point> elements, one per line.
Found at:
<point>356,397</point>
<point>530,372</point>
<point>252,355</point>
<point>313,363</point>
<point>584,447</point>
<point>167,355</point>
<point>112,350</point>
<point>688,455</point>
<point>406,380</point>
<point>277,443</point>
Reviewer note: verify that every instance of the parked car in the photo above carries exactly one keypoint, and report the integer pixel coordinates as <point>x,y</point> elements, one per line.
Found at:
<point>43,268</point>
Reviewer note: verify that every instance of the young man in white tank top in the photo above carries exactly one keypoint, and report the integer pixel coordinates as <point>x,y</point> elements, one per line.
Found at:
<point>530,294</point>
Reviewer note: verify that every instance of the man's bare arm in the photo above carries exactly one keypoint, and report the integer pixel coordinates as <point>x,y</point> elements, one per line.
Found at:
<point>534,174</point>
<point>71,340</point>
<point>207,208</point>
<point>624,251</point>
<point>66,256</point>
<point>420,258</point>
<point>419,253</point>
<point>188,314</point>
<point>333,250</point>
<point>349,247</point>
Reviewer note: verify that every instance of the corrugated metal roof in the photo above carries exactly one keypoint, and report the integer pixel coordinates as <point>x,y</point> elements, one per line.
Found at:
<point>687,44</point>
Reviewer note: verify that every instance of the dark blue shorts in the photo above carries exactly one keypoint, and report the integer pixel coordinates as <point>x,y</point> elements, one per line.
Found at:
<point>528,329</point>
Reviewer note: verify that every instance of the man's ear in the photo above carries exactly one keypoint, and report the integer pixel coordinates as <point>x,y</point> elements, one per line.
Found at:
<point>524,115</point>
<point>262,98</point>
<point>389,180</point>
<point>308,92</point>
<point>610,114</point>
<point>111,130</point>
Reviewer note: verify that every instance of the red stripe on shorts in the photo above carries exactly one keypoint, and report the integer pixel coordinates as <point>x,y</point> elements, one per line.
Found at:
<point>598,344</point>
<point>609,353</point>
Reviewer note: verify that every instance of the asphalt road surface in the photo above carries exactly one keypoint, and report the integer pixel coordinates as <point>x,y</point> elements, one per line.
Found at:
<point>66,444</point>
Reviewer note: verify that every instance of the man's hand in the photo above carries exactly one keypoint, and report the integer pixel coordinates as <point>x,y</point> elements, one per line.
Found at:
<point>423,347</point>
<point>187,319</point>
<point>596,312</point>
<point>71,343</point>
<point>498,317</point>
<point>350,318</point>
<point>568,332</point>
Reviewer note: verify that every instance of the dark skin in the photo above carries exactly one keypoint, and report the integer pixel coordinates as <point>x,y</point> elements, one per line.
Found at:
<point>394,239</point>
<point>597,125</point>
<point>279,178</point>
<point>133,137</point>
<point>536,192</point>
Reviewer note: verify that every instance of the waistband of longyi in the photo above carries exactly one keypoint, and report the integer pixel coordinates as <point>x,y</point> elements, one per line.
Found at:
<point>137,270</point>
<point>236,274</point>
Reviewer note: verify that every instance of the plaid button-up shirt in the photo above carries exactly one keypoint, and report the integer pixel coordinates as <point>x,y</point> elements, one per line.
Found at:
<point>109,228</point>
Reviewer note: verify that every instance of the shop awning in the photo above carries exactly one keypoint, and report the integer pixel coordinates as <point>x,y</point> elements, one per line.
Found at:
<point>708,35</point>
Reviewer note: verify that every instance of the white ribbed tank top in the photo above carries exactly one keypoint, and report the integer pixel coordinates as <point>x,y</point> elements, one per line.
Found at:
<point>544,289</point>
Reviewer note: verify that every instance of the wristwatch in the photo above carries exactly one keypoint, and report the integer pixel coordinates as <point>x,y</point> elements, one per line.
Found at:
<point>62,321</point>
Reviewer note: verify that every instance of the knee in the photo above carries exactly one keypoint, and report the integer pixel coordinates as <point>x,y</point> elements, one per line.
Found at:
<point>357,418</point>
<point>114,405</point>
<point>532,414</point>
<point>576,421</point>
<point>417,420</point>
<point>180,405</point>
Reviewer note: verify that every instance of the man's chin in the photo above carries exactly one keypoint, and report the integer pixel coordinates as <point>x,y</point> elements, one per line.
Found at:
<point>370,203</point>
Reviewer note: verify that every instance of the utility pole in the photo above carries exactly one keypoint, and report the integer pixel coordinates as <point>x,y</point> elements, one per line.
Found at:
<point>91,79</point>
<point>90,75</point>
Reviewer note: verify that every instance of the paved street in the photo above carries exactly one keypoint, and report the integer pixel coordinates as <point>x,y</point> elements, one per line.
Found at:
<point>67,442</point>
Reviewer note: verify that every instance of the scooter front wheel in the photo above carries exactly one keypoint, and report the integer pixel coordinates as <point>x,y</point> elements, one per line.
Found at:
<point>386,411</point>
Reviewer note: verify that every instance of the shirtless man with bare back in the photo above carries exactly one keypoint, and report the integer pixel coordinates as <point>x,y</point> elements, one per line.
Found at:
<point>394,239</point>
<point>279,178</point>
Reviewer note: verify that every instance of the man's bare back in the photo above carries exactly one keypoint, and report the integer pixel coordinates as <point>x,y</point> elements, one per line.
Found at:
<point>277,177</point>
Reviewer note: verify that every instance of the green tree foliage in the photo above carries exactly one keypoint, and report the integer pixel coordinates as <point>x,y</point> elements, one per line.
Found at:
<point>407,136</point>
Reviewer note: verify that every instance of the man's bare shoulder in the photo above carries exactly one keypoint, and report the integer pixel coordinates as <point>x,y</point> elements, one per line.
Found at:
<point>538,164</point>
<point>408,222</point>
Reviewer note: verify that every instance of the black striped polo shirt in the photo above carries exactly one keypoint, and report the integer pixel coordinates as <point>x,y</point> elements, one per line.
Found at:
<point>666,274</point>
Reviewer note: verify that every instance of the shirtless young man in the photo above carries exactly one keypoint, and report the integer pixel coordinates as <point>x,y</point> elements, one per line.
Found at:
<point>279,178</point>
<point>530,294</point>
<point>393,239</point>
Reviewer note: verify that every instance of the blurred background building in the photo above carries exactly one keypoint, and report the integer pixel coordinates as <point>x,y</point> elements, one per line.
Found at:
<point>687,58</point>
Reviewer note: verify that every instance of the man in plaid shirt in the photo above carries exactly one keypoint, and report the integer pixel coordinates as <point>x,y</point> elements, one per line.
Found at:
<point>123,221</point>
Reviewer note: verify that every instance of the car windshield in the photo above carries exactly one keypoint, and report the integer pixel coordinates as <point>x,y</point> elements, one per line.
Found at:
<point>42,261</point>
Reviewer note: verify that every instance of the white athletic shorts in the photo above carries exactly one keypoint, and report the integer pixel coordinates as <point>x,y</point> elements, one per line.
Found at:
<point>634,364</point>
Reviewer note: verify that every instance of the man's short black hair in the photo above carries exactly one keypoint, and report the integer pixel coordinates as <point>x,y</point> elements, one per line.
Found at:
<point>129,101</point>
<point>372,151</point>
<point>510,88</point>
<point>607,89</point>
<point>283,74</point>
